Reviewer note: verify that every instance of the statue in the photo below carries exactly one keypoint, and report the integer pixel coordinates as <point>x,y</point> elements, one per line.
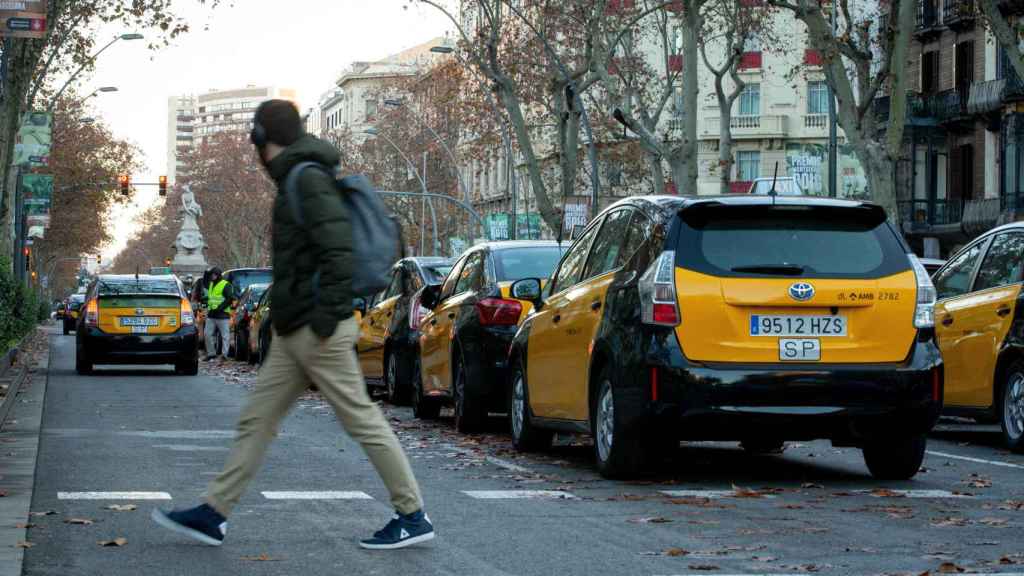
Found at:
<point>189,245</point>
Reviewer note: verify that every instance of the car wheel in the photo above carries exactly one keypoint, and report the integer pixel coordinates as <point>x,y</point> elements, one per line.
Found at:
<point>620,453</point>
<point>1011,407</point>
<point>469,415</point>
<point>242,346</point>
<point>82,366</point>
<point>188,368</point>
<point>423,407</point>
<point>895,458</point>
<point>763,446</point>
<point>391,384</point>
<point>526,437</point>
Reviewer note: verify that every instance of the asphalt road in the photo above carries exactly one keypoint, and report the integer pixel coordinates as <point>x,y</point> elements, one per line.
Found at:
<point>812,509</point>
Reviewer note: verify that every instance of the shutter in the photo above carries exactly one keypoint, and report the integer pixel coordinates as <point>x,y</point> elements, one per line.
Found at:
<point>956,175</point>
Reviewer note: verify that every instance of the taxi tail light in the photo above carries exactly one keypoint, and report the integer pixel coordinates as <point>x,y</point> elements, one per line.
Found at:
<point>499,311</point>
<point>416,313</point>
<point>658,301</point>
<point>187,317</point>
<point>924,313</point>
<point>92,313</point>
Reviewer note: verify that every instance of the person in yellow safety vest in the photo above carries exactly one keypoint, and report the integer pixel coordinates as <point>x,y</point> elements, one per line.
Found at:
<point>220,297</point>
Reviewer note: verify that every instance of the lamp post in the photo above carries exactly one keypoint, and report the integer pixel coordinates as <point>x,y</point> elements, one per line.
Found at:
<point>505,137</point>
<point>423,186</point>
<point>91,60</point>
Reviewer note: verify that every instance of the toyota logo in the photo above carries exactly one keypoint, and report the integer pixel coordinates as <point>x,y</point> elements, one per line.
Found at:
<point>801,291</point>
<point>140,312</point>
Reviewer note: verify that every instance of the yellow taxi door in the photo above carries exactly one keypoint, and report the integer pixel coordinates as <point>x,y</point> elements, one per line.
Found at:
<point>971,325</point>
<point>552,340</point>
<point>373,329</point>
<point>436,329</point>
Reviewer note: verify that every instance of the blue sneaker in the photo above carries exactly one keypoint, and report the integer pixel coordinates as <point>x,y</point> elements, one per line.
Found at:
<point>401,531</point>
<point>201,523</point>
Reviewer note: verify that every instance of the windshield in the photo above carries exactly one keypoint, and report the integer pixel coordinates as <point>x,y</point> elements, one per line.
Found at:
<point>436,273</point>
<point>789,241</point>
<point>533,262</point>
<point>114,287</point>
<point>242,279</point>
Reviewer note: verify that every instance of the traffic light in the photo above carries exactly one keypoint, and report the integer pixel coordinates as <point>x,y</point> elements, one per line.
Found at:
<point>28,257</point>
<point>99,259</point>
<point>167,261</point>
<point>163,185</point>
<point>126,182</point>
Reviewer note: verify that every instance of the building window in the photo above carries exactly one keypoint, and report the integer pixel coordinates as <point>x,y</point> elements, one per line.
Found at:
<point>817,97</point>
<point>750,100</point>
<point>371,108</point>
<point>930,72</point>
<point>748,165</point>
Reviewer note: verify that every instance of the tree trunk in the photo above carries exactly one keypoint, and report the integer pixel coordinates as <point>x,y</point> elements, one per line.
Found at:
<point>684,157</point>
<point>1004,34</point>
<point>725,160</point>
<point>657,172</point>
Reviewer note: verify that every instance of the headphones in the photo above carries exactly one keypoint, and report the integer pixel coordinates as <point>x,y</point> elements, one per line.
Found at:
<point>258,136</point>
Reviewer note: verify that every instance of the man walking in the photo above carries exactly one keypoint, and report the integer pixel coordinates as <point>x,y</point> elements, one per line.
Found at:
<point>314,334</point>
<point>220,295</point>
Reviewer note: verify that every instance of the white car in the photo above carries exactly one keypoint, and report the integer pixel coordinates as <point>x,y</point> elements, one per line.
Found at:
<point>785,186</point>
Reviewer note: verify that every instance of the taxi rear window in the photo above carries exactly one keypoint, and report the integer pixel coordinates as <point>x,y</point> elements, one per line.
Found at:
<point>789,241</point>
<point>140,286</point>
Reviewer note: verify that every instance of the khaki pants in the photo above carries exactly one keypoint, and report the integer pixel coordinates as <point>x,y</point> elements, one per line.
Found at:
<point>292,362</point>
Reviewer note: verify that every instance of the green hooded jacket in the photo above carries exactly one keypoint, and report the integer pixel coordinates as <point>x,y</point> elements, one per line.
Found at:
<point>312,263</point>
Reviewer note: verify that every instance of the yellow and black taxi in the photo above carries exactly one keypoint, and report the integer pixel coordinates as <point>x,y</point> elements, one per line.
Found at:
<point>72,310</point>
<point>980,329</point>
<point>260,330</point>
<point>137,319</point>
<point>464,339</point>
<point>756,319</point>
<point>240,320</point>
<point>389,337</point>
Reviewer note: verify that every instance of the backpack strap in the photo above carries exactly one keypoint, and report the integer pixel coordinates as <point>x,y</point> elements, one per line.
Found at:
<point>291,188</point>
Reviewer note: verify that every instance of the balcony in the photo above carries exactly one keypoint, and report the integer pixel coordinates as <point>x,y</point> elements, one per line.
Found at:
<point>1014,90</point>
<point>986,97</point>
<point>923,215</point>
<point>950,106</point>
<point>815,121</point>
<point>929,24</point>
<point>919,108</point>
<point>748,126</point>
<point>958,14</point>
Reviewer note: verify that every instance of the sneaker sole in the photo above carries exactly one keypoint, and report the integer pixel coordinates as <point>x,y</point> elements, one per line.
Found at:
<point>402,544</point>
<point>162,519</point>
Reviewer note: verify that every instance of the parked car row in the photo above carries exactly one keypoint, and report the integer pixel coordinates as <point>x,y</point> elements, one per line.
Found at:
<point>728,319</point>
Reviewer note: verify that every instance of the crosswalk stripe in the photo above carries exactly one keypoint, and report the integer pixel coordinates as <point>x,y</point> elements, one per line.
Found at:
<point>113,496</point>
<point>517,494</point>
<point>918,493</point>
<point>975,460</point>
<point>709,494</point>
<point>316,495</point>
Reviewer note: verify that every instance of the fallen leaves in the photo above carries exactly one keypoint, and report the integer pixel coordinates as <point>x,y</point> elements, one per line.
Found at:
<point>264,557</point>
<point>115,543</point>
<point>977,481</point>
<point>1012,505</point>
<point>121,507</point>
<point>46,513</point>
<point>811,486</point>
<point>703,567</point>
<point>886,493</point>
<point>24,544</point>
<point>950,568</point>
<point>79,521</point>
<point>740,492</point>
<point>994,522</point>
<point>25,526</point>
<point>949,521</point>
<point>676,552</point>
<point>699,502</point>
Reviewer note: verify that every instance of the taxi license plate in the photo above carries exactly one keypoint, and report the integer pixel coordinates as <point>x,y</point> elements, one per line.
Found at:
<point>140,321</point>
<point>799,350</point>
<point>798,326</point>
<point>140,329</point>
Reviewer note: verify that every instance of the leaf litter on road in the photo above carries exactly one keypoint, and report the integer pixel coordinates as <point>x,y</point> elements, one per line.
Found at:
<point>264,557</point>
<point>950,568</point>
<point>121,507</point>
<point>115,543</point>
<point>46,513</point>
<point>24,544</point>
<point>649,520</point>
<point>79,521</point>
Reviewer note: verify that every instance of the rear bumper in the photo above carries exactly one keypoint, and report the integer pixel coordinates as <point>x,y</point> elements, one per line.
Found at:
<point>492,363</point>
<point>177,348</point>
<point>845,403</point>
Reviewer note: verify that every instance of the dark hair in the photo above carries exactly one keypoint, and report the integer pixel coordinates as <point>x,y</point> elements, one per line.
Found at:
<point>280,121</point>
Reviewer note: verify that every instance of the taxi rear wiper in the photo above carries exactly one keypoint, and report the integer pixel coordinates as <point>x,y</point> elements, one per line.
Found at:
<point>774,269</point>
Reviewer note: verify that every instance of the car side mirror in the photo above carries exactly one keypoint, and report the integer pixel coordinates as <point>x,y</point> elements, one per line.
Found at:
<point>430,296</point>
<point>528,289</point>
<point>359,304</point>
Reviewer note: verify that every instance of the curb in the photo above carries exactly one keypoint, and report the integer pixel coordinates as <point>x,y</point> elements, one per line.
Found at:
<point>19,449</point>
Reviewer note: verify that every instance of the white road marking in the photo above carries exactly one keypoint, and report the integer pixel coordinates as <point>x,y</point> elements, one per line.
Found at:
<point>113,496</point>
<point>315,495</point>
<point>518,494</point>
<point>709,494</point>
<point>791,574</point>
<point>976,460</point>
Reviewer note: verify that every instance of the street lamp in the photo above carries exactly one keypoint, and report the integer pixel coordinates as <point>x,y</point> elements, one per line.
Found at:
<point>91,60</point>
<point>371,131</point>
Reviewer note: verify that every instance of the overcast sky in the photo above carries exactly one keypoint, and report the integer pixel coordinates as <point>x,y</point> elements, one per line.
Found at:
<point>300,44</point>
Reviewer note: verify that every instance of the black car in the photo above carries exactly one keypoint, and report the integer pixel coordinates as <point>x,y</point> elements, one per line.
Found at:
<point>242,278</point>
<point>133,319</point>
<point>388,345</point>
<point>72,310</point>
<point>465,338</point>
<point>240,320</point>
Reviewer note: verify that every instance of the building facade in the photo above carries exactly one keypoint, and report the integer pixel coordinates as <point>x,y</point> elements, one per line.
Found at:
<point>181,117</point>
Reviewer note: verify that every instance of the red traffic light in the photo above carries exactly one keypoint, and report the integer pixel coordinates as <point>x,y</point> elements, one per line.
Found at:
<point>126,182</point>
<point>163,185</point>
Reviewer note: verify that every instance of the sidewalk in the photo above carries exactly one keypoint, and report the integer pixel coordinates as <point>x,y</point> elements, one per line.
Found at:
<point>19,446</point>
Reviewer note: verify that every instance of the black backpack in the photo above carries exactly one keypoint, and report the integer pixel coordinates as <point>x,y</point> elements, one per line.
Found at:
<point>376,235</point>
